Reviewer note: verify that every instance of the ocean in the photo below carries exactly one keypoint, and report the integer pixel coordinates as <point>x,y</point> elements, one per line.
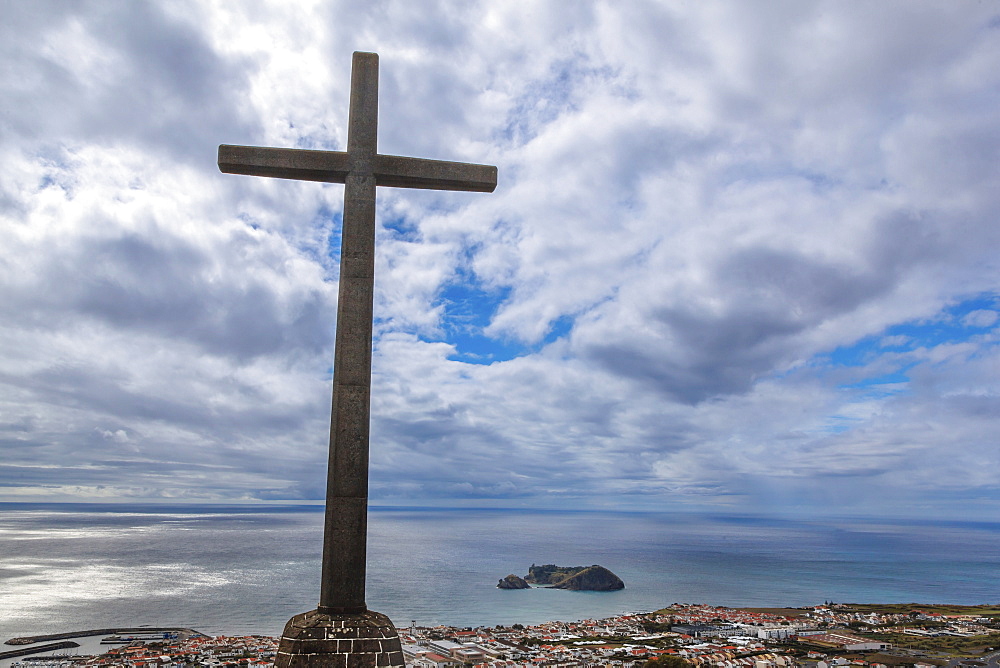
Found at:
<point>239,570</point>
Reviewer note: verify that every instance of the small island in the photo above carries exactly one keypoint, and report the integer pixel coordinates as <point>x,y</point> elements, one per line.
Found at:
<point>575,578</point>
<point>513,582</point>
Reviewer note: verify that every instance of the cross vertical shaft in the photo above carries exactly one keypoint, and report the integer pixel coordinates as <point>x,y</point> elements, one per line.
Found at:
<point>342,632</point>
<point>344,542</point>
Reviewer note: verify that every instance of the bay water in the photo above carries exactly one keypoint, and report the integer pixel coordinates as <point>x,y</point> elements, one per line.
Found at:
<point>239,570</point>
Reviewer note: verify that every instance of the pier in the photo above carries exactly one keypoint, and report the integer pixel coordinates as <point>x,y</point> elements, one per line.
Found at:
<point>117,630</point>
<point>25,651</point>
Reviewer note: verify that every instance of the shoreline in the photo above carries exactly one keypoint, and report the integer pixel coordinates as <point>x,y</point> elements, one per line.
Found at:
<point>984,609</point>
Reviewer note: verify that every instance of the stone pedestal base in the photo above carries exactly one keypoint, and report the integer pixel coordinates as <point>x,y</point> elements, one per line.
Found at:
<point>362,640</point>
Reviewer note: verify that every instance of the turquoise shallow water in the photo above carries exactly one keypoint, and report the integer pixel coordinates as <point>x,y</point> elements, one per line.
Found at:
<point>231,570</point>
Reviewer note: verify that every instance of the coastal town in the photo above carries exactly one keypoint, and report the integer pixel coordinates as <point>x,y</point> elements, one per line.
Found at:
<point>823,636</point>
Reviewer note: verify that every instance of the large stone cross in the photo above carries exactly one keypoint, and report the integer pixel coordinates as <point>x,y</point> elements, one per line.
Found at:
<point>361,169</point>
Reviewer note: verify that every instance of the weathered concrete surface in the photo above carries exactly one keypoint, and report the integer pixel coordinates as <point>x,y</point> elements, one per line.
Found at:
<point>284,163</point>
<point>394,171</point>
<point>365,640</point>
<point>345,536</point>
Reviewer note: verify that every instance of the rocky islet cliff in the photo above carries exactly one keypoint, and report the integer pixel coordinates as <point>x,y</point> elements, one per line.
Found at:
<point>513,582</point>
<point>575,578</point>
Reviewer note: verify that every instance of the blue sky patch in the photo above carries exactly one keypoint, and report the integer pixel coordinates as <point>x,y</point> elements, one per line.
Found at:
<point>400,228</point>
<point>558,329</point>
<point>955,324</point>
<point>469,308</point>
<point>326,218</point>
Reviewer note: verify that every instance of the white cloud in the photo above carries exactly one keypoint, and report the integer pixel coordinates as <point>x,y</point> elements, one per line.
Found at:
<point>118,435</point>
<point>697,205</point>
<point>980,318</point>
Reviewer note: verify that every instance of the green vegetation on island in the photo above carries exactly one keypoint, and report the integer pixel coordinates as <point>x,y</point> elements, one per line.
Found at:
<point>576,578</point>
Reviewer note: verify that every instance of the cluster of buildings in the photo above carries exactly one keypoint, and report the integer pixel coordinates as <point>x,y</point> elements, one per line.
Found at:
<point>911,622</point>
<point>699,621</point>
<point>701,635</point>
<point>213,652</point>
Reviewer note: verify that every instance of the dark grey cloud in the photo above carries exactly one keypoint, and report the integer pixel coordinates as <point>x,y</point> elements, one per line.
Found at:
<point>763,299</point>
<point>120,73</point>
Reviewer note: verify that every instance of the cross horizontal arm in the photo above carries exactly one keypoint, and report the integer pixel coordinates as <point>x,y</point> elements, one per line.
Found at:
<point>284,163</point>
<point>400,172</point>
<point>332,167</point>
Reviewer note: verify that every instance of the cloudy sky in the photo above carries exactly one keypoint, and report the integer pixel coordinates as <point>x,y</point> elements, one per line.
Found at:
<point>742,256</point>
